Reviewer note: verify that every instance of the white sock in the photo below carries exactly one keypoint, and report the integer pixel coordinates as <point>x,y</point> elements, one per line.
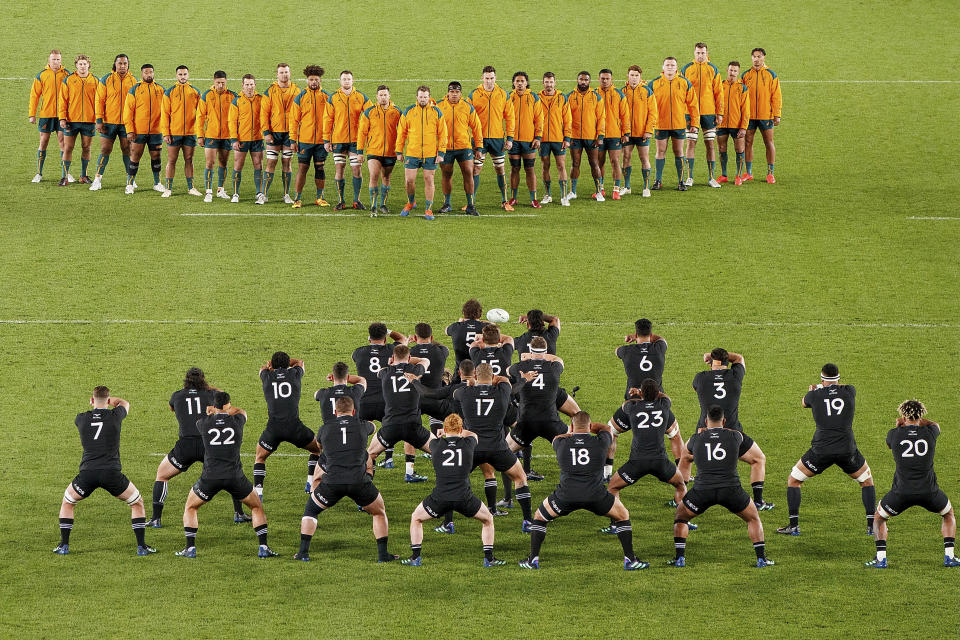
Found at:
<point>607,470</point>
<point>881,555</point>
<point>948,552</point>
<point>410,468</point>
<point>310,480</point>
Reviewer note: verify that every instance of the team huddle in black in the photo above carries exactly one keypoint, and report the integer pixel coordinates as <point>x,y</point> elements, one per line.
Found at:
<point>486,414</point>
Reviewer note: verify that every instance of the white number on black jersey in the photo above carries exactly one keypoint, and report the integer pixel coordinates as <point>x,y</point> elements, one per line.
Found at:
<point>404,384</point>
<point>374,364</point>
<point>716,452</point>
<point>218,432</point>
<point>834,404</point>
<point>538,382</point>
<point>645,364</point>
<point>99,426</point>
<point>190,402</point>
<point>450,454</point>
<point>914,448</point>
<point>579,456</point>
<point>281,390</point>
<point>494,364</point>
<point>487,403</point>
<point>720,392</point>
<point>645,418</point>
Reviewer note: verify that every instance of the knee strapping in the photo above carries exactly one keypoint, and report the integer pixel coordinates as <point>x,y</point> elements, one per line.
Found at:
<point>339,158</point>
<point>354,161</point>
<point>478,162</point>
<point>545,514</point>
<point>287,153</point>
<point>134,499</point>
<point>797,474</point>
<point>155,164</point>
<point>498,161</point>
<point>514,162</point>
<point>692,136</point>
<point>318,172</point>
<point>710,135</point>
<point>528,163</point>
<point>680,521</point>
<point>946,509</point>
<point>67,497</point>
<point>863,477</point>
<point>271,154</point>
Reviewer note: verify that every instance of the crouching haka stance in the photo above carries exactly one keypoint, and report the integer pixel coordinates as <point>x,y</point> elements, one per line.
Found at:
<point>913,441</point>
<point>452,461</point>
<point>580,457</point>
<point>349,473</point>
<point>832,404</point>
<point>222,433</point>
<point>713,449</point>
<point>100,468</point>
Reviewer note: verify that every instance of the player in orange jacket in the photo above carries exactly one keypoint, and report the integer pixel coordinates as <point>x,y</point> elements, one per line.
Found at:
<point>557,132</point>
<point>422,139</point>
<point>77,112</point>
<point>678,119</point>
<point>213,133</point>
<point>736,109</point>
<point>178,123</point>
<point>497,120</point>
<point>44,101</point>
<point>377,137</point>
<point>642,105</point>
<point>275,122</point>
<point>247,136</point>
<point>340,125</point>
<point>766,103</point>
<point>589,121</point>
<point>141,119</point>
<point>112,94</point>
<point>616,132</point>
<point>528,113</point>
<point>306,129</point>
<point>707,82</point>
<point>464,139</point>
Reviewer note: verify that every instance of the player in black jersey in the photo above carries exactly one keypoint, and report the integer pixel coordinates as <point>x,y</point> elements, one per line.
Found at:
<point>649,415</point>
<point>401,420</point>
<point>282,378</point>
<point>222,433</point>
<point>913,442</point>
<point>832,404</point>
<point>344,384</point>
<point>713,448</point>
<point>721,385</point>
<point>349,474</point>
<point>100,468</point>
<point>493,348</point>
<point>643,356</point>
<point>464,331</point>
<point>434,357</point>
<point>453,458</point>
<point>580,457</point>
<point>370,359</point>
<point>547,327</point>
<point>189,404</point>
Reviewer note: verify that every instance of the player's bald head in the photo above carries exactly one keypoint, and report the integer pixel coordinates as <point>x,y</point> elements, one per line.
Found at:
<point>580,421</point>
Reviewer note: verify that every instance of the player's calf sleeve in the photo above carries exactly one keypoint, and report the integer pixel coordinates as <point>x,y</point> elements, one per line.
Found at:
<point>382,548</point>
<point>869,497</point>
<point>191,534</point>
<point>139,526</point>
<point>287,179</point>
<point>523,497</point>
<point>237,506</point>
<point>237,175</point>
<point>527,456</point>
<point>490,491</point>
<point>384,192</point>
<point>573,185</point>
<point>305,539</point>
<point>678,161</point>
<point>261,532</point>
<point>502,185</point>
<point>126,162</point>
<point>159,497</point>
<point>507,487</point>
<point>41,157</point>
<point>102,163</point>
<point>84,163</point>
<point>168,183</point>
<point>711,168</point>
<point>257,179</point>
<point>357,183</point>
<point>625,534</point>
<point>660,163</point>
<point>626,176</point>
<point>268,178</point>
<point>723,162</point>
<point>341,184</point>
<point>132,169</point>
<point>646,178</point>
<point>793,505</point>
<point>689,167</point>
<point>155,168</point>
<point>312,465</point>
<point>476,183</point>
<point>757,491</point>
<point>679,546</point>
<point>538,531</point>
<point>66,526</point>
<point>488,551</point>
<point>388,454</point>
<point>259,474</point>
<point>749,167</point>
<point>415,550</point>
<point>761,549</point>
<point>189,182</point>
<point>409,458</point>
<point>948,544</point>
<point>740,162</point>
<point>546,186</point>
<point>208,179</point>
<point>221,176</point>
<point>448,517</point>
<point>446,199</point>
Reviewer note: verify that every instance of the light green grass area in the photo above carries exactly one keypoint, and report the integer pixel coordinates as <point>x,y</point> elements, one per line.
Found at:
<point>826,265</point>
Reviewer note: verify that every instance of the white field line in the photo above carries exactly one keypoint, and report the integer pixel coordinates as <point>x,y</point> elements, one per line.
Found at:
<point>932,218</point>
<point>350,215</point>
<point>302,81</point>
<point>626,324</point>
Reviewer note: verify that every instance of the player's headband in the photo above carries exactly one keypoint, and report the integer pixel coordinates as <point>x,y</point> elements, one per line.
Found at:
<point>455,86</point>
<point>829,378</point>
<point>535,350</point>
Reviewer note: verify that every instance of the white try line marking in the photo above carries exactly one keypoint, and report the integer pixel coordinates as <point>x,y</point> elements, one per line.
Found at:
<point>460,216</point>
<point>931,218</point>
<point>624,324</point>
<point>302,81</point>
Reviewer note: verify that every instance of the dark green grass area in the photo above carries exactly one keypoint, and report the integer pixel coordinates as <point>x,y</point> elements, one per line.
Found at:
<point>826,265</point>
